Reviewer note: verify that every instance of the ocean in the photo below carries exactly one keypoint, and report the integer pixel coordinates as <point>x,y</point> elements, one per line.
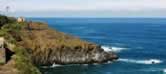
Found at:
<point>139,42</point>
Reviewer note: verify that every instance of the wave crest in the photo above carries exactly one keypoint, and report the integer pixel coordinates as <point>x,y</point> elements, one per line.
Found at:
<point>150,61</point>
<point>113,49</point>
<point>55,65</point>
<point>164,70</point>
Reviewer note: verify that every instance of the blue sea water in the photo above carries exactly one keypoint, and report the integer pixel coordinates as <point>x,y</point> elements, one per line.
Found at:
<point>137,41</point>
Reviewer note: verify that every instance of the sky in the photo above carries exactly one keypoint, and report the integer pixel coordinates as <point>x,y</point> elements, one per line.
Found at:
<point>85,8</point>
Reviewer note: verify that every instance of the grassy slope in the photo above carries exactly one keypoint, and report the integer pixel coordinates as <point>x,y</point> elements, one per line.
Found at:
<point>44,46</point>
<point>21,61</point>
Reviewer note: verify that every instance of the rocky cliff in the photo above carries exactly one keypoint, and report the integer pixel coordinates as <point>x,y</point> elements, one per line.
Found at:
<point>48,46</point>
<point>34,43</point>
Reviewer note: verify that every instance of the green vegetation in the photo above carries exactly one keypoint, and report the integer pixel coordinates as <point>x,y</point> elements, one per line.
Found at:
<point>11,31</point>
<point>23,62</point>
<point>2,62</point>
<point>3,20</point>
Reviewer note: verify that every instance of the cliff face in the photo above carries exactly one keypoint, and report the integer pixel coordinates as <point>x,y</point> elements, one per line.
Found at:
<point>48,46</point>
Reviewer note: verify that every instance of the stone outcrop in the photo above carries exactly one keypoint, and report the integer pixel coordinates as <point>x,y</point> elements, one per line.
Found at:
<point>2,51</point>
<point>2,56</point>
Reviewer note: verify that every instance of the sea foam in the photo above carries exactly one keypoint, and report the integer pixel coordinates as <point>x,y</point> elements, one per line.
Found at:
<point>150,61</point>
<point>55,65</point>
<point>164,70</point>
<point>113,49</point>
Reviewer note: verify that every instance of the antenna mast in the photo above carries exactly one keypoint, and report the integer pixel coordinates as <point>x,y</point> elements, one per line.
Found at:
<point>7,8</point>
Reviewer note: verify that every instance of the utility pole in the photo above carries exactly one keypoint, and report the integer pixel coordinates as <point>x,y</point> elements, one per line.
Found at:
<point>5,6</point>
<point>7,10</point>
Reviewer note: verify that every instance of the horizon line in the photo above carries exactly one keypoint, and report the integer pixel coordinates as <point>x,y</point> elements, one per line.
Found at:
<point>84,17</point>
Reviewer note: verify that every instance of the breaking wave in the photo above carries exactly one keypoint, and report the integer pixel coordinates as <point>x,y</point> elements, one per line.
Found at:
<point>164,70</point>
<point>55,65</point>
<point>113,49</point>
<point>52,66</point>
<point>150,61</point>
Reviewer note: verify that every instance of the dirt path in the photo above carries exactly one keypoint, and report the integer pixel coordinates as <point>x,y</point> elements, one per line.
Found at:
<point>8,68</point>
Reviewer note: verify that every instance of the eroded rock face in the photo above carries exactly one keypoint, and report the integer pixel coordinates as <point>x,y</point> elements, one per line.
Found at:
<point>81,56</point>
<point>47,46</point>
<point>67,55</point>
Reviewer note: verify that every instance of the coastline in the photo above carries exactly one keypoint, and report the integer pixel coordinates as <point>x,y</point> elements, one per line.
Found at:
<point>46,46</point>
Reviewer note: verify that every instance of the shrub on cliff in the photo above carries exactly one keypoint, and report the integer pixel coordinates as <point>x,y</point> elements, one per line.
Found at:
<point>10,30</point>
<point>23,62</point>
<point>3,20</point>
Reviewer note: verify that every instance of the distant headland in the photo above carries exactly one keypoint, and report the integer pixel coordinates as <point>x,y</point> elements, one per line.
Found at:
<point>26,45</point>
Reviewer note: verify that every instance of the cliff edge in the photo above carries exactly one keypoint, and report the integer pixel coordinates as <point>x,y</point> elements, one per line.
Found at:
<point>37,44</point>
<point>48,46</point>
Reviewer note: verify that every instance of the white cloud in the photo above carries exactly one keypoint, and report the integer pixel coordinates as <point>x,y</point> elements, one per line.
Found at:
<point>92,5</point>
<point>114,6</point>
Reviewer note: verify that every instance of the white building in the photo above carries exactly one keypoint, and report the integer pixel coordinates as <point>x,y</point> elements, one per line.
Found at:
<point>20,19</point>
